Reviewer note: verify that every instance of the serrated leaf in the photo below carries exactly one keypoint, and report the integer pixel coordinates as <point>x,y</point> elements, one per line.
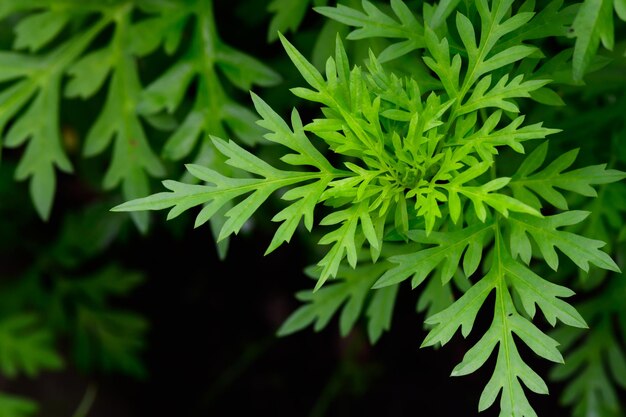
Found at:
<point>379,311</point>
<point>38,29</point>
<point>110,281</point>
<point>287,15</point>
<point>244,71</point>
<point>110,340</point>
<point>486,140</point>
<point>553,176</point>
<point>450,247</point>
<point>40,127</point>
<point>500,95</point>
<point>306,198</point>
<point>224,190</point>
<point>88,74</point>
<point>345,240</point>
<point>25,347</point>
<point>350,291</point>
<point>579,249</point>
<point>594,22</point>
<point>510,369</point>
<point>595,361</point>
<point>372,22</point>
<point>306,69</point>
<point>133,159</point>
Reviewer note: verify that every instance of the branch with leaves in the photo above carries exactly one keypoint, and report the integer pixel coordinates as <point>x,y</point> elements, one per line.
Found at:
<point>419,164</point>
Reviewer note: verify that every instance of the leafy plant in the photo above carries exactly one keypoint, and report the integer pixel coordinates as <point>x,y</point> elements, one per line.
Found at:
<point>94,53</point>
<point>419,163</point>
<point>36,83</point>
<point>448,156</point>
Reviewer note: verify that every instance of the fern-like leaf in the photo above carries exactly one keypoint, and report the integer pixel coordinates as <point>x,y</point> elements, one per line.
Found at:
<point>510,369</point>
<point>529,181</point>
<point>26,348</point>
<point>352,291</point>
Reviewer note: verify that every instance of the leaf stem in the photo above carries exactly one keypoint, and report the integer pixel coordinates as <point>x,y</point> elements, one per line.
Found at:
<point>87,401</point>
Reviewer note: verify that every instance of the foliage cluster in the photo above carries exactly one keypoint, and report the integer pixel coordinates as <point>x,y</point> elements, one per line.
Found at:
<point>447,156</point>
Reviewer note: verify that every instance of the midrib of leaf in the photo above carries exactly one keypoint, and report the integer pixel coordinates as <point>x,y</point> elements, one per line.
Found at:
<point>437,251</point>
<point>468,81</point>
<point>538,179</point>
<point>28,90</point>
<point>270,183</point>
<point>552,232</point>
<point>464,190</point>
<point>121,62</point>
<point>56,62</point>
<point>348,229</point>
<point>501,289</point>
<point>207,40</point>
<point>215,193</point>
<point>398,28</point>
<point>550,300</point>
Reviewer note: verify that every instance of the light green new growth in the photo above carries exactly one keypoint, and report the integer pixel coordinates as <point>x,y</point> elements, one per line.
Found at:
<point>414,190</point>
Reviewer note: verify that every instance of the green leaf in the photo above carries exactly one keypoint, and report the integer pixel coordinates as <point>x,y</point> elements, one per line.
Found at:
<point>306,198</point>
<point>620,8</point>
<point>110,281</point>
<point>88,74</point>
<point>549,21</point>
<point>579,249</point>
<point>37,30</point>
<point>205,59</point>
<point>436,297</point>
<point>296,139</point>
<point>443,9</point>
<point>288,15</point>
<point>351,291</point>
<point>594,22</point>
<point>244,71</point>
<point>306,69</point>
<point>224,190</point>
<point>25,347</point>
<point>164,25</point>
<point>493,27</point>
<point>39,126</point>
<point>510,368</point>
<point>372,22</point>
<point>479,196</point>
<point>31,101</point>
<point>500,95</point>
<point>595,361</point>
<point>449,249</point>
<point>14,406</point>
<point>346,239</point>
<point>168,90</point>
<point>379,311</point>
<point>528,178</point>
<point>486,140</point>
<point>133,159</point>
<point>110,340</point>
